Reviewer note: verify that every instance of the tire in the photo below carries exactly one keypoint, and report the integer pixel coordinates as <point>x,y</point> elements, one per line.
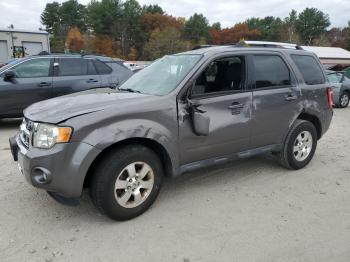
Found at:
<point>295,153</point>
<point>344,100</point>
<point>111,188</point>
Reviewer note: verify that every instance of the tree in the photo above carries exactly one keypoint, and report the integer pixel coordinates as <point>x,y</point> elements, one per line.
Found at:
<point>151,22</point>
<point>197,29</point>
<point>74,40</point>
<point>50,17</point>
<point>270,27</point>
<point>165,42</point>
<point>217,26</point>
<point>234,34</point>
<point>73,14</point>
<point>290,24</point>
<point>348,37</point>
<point>103,17</point>
<point>311,24</point>
<point>153,9</point>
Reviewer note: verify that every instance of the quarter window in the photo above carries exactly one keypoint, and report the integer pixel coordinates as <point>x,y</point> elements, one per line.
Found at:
<point>309,68</point>
<point>270,71</point>
<point>102,68</point>
<point>33,68</point>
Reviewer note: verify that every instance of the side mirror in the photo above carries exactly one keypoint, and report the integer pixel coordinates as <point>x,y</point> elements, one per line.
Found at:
<point>9,76</point>
<point>200,122</point>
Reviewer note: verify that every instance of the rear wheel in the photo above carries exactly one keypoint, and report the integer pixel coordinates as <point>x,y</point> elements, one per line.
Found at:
<point>126,182</point>
<point>300,145</point>
<point>344,100</point>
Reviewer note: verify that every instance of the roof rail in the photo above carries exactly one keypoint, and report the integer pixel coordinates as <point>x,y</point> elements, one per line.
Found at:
<point>268,44</point>
<point>202,46</point>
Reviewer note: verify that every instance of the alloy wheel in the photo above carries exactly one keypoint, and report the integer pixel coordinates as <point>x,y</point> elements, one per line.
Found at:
<point>134,184</point>
<point>302,146</point>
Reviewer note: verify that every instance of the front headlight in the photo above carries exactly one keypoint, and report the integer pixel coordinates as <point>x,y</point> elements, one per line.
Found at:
<point>46,136</point>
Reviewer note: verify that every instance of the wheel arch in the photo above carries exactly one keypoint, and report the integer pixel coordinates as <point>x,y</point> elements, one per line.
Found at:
<point>158,148</point>
<point>314,120</point>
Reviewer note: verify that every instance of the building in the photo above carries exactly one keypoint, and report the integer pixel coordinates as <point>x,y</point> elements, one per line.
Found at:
<point>331,57</point>
<point>18,43</point>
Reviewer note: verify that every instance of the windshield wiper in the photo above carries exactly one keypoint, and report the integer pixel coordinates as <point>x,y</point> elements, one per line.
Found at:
<point>129,90</point>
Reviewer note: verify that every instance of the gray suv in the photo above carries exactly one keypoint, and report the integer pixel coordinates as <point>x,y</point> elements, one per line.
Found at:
<point>36,78</point>
<point>186,111</point>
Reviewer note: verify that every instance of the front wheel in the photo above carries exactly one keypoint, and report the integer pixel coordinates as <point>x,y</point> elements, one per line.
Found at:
<point>300,145</point>
<point>344,100</point>
<point>126,182</point>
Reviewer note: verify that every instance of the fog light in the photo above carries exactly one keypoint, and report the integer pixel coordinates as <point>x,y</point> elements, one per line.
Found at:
<point>41,175</point>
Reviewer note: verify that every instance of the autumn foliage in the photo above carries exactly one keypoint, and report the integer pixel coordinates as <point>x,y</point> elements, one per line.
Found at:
<point>234,34</point>
<point>74,40</point>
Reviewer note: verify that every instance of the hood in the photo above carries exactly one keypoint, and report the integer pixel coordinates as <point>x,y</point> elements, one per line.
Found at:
<point>62,108</point>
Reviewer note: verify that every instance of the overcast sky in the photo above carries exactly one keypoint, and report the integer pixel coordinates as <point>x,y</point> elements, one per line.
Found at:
<point>25,14</point>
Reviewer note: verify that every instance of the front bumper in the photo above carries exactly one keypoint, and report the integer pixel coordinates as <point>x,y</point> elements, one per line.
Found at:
<point>61,169</point>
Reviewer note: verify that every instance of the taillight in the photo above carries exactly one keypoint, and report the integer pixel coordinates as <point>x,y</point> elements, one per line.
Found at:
<point>330,97</point>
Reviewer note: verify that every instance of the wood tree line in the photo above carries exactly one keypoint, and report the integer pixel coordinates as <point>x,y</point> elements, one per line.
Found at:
<point>128,30</point>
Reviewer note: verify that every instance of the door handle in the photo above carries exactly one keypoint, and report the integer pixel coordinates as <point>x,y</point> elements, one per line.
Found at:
<point>291,97</point>
<point>92,81</point>
<point>44,84</point>
<point>236,106</point>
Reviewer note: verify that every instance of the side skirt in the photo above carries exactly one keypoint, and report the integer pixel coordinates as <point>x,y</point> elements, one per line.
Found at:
<point>227,158</point>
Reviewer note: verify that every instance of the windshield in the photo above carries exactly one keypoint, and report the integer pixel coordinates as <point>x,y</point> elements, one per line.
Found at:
<point>10,64</point>
<point>162,76</point>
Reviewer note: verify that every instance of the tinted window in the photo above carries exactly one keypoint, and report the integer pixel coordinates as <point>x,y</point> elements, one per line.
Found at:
<point>270,70</point>
<point>102,68</point>
<point>72,67</point>
<point>91,68</point>
<point>310,69</point>
<point>222,75</point>
<point>33,68</point>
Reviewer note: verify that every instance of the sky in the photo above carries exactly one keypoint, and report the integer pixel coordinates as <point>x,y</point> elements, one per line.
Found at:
<point>25,14</point>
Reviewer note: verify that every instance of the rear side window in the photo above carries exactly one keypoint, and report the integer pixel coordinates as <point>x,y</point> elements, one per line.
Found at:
<point>102,68</point>
<point>72,67</point>
<point>91,68</point>
<point>270,71</point>
<point>309,68</point>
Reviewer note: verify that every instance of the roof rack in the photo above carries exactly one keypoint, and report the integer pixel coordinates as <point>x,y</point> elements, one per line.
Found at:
<point>202,46</point>
<point>268,44</point>
<point>256,44</point>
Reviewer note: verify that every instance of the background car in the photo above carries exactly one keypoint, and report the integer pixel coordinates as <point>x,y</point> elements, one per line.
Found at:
<point>341,88</point>
<point>37,78</point>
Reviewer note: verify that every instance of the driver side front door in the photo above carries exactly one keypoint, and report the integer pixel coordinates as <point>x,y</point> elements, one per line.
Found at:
<point>224,99</point>
<point>32,83</point>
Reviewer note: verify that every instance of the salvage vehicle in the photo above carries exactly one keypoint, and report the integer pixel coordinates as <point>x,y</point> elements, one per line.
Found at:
<point>186,111</point>
<point>36,78</point>
<point>341,88</point>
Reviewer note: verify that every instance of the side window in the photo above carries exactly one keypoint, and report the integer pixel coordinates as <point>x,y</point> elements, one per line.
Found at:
<point>222,75</point>
<point>333,78</point>
<point>91,67</point>
<point>33,68</point>
<point>72,67</point>
<point>309,68</point>
<point>102,68</point>
<point>270,71</point>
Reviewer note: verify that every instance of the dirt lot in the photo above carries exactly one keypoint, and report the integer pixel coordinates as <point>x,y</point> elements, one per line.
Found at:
<point>246,211</point>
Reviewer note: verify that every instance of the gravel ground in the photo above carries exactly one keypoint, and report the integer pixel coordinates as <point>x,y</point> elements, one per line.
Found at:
<point>252,210</point>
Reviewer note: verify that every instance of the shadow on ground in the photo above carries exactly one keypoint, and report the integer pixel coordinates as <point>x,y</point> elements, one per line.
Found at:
<point>10,123</point>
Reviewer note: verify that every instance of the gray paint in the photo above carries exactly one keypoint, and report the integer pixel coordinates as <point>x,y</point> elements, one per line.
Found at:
<point>22,92</point>
<point>103,118</point>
